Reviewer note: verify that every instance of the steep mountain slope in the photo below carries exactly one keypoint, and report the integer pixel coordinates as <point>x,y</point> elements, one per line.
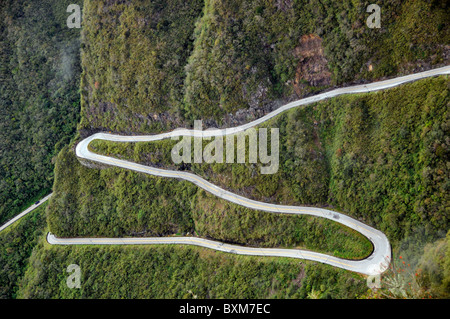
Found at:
<point>152,66</point>
<point>39,97</point>
<point>380,157</point>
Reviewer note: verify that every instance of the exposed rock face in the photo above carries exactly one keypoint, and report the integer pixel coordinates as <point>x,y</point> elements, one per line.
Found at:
<point>312,68</point>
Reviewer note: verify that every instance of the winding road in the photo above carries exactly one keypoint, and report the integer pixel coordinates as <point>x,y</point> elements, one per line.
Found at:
<point>375,264</point>
<point>25,212</point>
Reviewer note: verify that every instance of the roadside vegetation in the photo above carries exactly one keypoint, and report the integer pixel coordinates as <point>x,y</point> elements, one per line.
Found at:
<point>152,66</point>
<point>421,271</point>
<point>133,58</point>
<point>16,246</point>
<point>31,268</point>
<point>379,157</point>
<point>166,271</point>
<point>39,97</point>
<point>114,202</point>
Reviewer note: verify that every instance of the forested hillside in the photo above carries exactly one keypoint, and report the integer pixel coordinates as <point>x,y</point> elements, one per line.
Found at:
<point>137,272</point>
<point>134,55</point>
<point>380,157</point>
<point>39,97</point>
<point>192,272</point>
<point>89,202</point>
<point>16,246</point>
<point>152,66</point>
<point>141,66</point>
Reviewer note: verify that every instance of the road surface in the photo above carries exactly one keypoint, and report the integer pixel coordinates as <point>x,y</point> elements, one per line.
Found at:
<point>25,212</point>
<point>376,263</point>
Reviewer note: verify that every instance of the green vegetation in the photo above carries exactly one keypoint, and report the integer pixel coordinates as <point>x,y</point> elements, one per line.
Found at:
<point>245,51</point>
<point>16,245</point>
<point>167,271</point>
<point>421,271</point>
<point>388,157</point>
<point>151,66</point>
<point>39,97</point>
<point>179,272</point>
<point>113,202</point>
<point>380,157</point>
<point>133,62</point>
<point>434,268</point>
